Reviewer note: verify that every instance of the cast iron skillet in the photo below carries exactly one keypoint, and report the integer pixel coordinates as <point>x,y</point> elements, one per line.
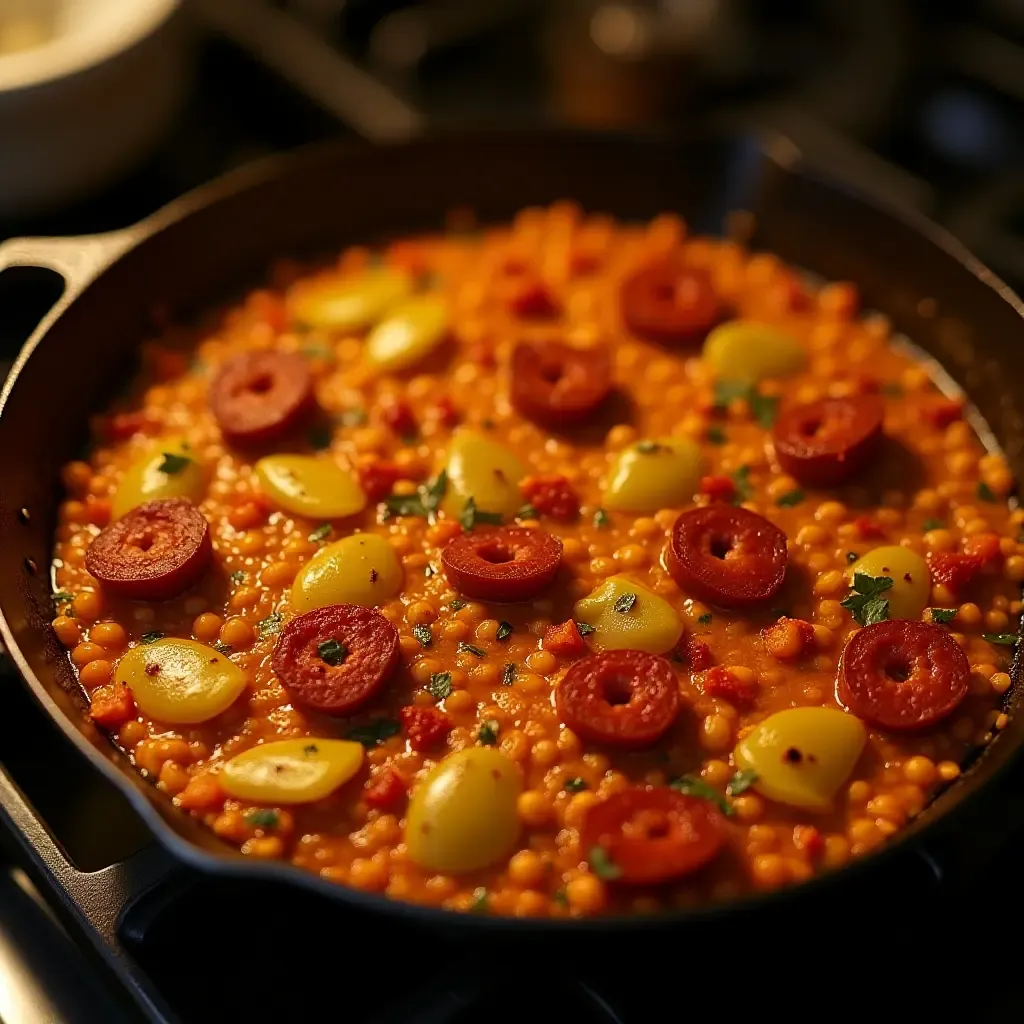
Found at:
<point>210,242</point>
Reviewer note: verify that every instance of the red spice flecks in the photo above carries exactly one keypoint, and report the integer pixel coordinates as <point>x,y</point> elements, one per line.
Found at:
<point>385,789</point>
<point>718,488</point>
<point>551,496</point>
<point>868,529</point>
<point>424,726</point>
<point>720,682</point>
<point>399,417</point>
<point>952,569</point>
<point>377,479</point>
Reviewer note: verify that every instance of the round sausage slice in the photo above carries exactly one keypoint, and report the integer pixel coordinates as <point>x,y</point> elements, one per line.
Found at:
<point>510,563</point>
<point>558,385</point>
<point>335,659</point>
<point>258,396</point>
<point>670,304</point>
<point>156,551</point>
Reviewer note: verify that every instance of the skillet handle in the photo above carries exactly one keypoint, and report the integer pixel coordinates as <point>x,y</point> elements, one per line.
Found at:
<point>93,902</point>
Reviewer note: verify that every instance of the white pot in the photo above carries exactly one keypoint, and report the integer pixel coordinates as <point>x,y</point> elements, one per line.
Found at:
<point>87,89</point>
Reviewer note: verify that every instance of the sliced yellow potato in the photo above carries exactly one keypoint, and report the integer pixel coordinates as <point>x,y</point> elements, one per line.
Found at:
<point>485,471</point>
<point>182,682</point>
<point>745,351</point>
<point>291,771</point>
<point>652,475</point>
<point>350,303</point>
<point>462,815</point>
<point>362,569</point>
<point>410,333</point>
<point>628,616</point>
<point>168,468</point>
<point>802,756</point>
<point>911,581</point>
<point>310,485</point>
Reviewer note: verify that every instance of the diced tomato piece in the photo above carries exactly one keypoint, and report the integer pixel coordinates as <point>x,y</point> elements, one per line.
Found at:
<point>385,790</point>
<point>399,417</point>
<point>868,529</point>
<point>551,496</point>
<point>564,638</point>
<point>697,653</point>
<point>445,412</point>
<point>377,479</point>
<point>424,726</point>
<point>944,411</point>
<point>788,638</point>
<point>952,569</point>
<point>720,682</point>
<point>718,488</point>
<point>808,839</point>
<point>984,546</point>
<point>532,299</point>
<point>112,708</point>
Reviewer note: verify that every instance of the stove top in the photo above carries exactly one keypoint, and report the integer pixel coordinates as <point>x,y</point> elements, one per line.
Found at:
<point>914,101</point>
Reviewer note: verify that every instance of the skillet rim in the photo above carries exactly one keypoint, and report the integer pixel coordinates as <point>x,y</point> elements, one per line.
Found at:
<point>955,798</point>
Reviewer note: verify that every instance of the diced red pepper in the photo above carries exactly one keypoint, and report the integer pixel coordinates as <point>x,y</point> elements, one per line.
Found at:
<point>551,496</point>
<point>697,654</point>
<point>377,479</point>
<point>720,682</point>
<point>944,411</point>
<point>952,569</point>
<point>868,529</point>
<point>984,546</point>
<point>533,300</point>
<point>123,425</point>
<point>398,415</point>
<point>718,488</point>
<point>112,708</point>
<point>385,790</point>
<point>445,412</point>
<point>564,638</point>
<point>425,726</point>
<point>808,839</point>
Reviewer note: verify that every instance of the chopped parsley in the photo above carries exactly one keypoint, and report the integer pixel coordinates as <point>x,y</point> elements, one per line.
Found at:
<point>465,648</point>
<point>264,817</point>
<point>575,785</point>
<point>625,603</point>
<point>472,516</point>
<point>62,597</point>
<point>932,524</point>
<point>440,685</point>
<point>764,408</point>
<point>332,652</point>
<point>716,435</point>
<point>865,601</point>
<point>479,904</point>
<point>354,417</point>
<point>173,463</point>
<point>373,732</point>
<point>691,785</point>
<point>741,781</point>
<point>270,625</point>
<point>527,512</point>
<point>650,447</point>
<point>504,631</point>
<point>238,576</point>
<point>424,503</point>
<point>852,556</point>
<point>1009,639</point>
<point>320,437</point>
<point>585,628</point>
<point>151,638</point>
<point>602,520</point>
<point>322,532</point>
<point>456,603</point>
<point>943,615</point>
<point>560,897</point>
<point>423,634</point>
<point>727,391</point>
<point>790,498</point>
<point>985,493</point>
<point>704,619</point>
<point>741,481</point>
<point>508,676</point>
<point>222,648</point>
<point>487,734</point>
<point>604,867</point>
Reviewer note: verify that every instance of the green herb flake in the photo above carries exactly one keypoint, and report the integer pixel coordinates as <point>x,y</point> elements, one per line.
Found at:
<point>222,648</point>
<point>602,520</point>
<point>424,503</point>
<point>560,897</point>
<point>310,749</point>
<point>765,408</point>
<point>603,866</point>
<point>62,597</point>
<point>624,603</point>
<point>716,435</point>
<point>354,417</point>
<point>321,533</point>
<point>320,437</point>
<point>741,481</point>
<point>423,634</point>
<point>264,818</point>
<point>456,603</point>
<point>575,785</point>
<point>932,524</point>
<point>691,785</point>
<point>705,619</point>
<point>865,601</point>
<point>472,517</point>
<point>238,576</point>
<point>741,782</point>
<point>173,463</point>
<point>151,638</point>
<point>465,648</point>
<point>270,625</point>
<point>440,685</point>
<point>508,676</point>
<point>373,732</point>
<point>504,631</point>
<point>727,391</point>
<point>487,734</point>
<point>791,498</point>
<point>332,652</point>
<point>527,512</point>
<point>585,628</point>
<point>851,557</point>
<point>1008,639</point>
<point>479,904</point>
<point>985,493</point>
<point>943,615</point>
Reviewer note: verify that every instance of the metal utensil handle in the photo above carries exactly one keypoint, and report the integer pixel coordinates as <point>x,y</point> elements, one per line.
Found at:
<point>92,901</point>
